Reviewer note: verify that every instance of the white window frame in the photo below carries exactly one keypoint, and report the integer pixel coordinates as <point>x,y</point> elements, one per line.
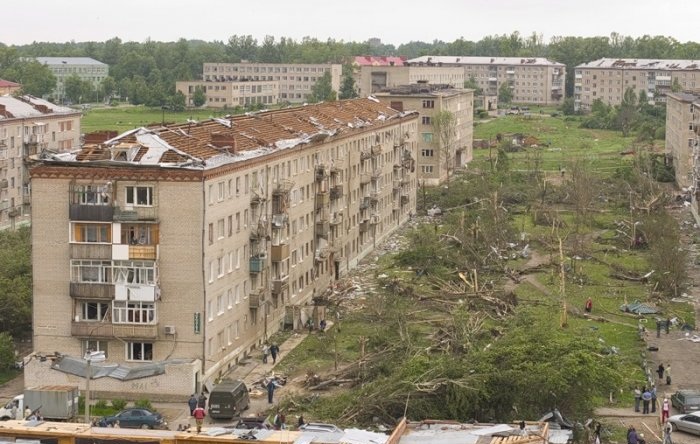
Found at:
<point>144,347</point>
<point>132,196</point>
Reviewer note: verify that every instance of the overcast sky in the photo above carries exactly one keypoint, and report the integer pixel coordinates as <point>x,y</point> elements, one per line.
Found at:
<point>393,21</point>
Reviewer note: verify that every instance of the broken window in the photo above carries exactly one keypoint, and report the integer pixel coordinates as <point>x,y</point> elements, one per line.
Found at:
<point>93,311</point>
<point>139,351</point>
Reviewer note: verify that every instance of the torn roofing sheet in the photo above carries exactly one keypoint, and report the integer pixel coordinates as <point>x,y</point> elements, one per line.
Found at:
<point>78,367</point>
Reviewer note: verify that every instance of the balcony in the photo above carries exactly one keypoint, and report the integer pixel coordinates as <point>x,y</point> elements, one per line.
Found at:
<point>336,192</point>
<point>256,298</point>
<point>26,199</point>
<point>257,264</point>
<point>143,252</point>
<point>103,213</point>
<point>404,199</point>
<point>396,184</point>
<point>365,178</point>
<point>321,172</point>
<point>322,199</point>
<point>374,219</point>
<point>364,226</point>
<point>279,253</point>
<point>336,219</point>
<point>376,174</point>
<point>4,205</point>
<point>323,227</point>
<point>255,199</point>
<point>376,150</point>
<point>128,214</point>
<point>4,183</point>
<point>91,251</point>
<point>259,230</point>
<point>86,329</point>
<point>280,284</point>
<point>97,291</point>
<point>364,155</point>
<point>365,203</point>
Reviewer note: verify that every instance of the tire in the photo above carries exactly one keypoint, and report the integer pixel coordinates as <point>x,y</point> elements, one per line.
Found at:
<point>145,426</point>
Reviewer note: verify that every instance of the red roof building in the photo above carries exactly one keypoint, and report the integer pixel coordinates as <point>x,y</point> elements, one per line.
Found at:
<point>7,87</point>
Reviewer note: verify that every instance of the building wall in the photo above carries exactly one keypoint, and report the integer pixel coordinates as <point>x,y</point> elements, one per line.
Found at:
<point>295,80</point>
<point>231,94</point>
<point>22,137</point>
<point>680,137</point>
<point>94,73</point>
<point>431,165</point>
<point>374,170</point>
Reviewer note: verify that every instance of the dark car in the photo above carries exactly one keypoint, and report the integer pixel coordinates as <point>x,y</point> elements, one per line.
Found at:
<point>687,423</point>
<point>686,401</point>
<point>137,418</point>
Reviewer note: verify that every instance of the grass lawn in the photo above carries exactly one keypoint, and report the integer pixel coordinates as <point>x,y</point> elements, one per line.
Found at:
<point>124,118</point>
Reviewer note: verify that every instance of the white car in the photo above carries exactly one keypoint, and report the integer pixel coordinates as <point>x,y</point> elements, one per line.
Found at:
<point>686,423</point>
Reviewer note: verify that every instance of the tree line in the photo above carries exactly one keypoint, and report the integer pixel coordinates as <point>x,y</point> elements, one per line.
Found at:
<point>146,72</point>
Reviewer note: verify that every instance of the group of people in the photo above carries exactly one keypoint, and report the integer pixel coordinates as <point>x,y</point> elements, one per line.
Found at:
<point>270,350</point>
<point>646,397</point>
<point>28,413</point>
<point>197,405</point>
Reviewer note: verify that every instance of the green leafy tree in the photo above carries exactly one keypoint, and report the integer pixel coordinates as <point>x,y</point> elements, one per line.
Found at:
<point>627,111</point>
<point>178,101</point>
<point>74,88</point>
<point>322,91</point>
<point>472,84</point>
<point>7,352</point>
<point>568,107</point>
<point>16,283</point>
<point>108,87</point>
<point>505,95</point>
<point>676,85</point>
<point>36,79</point>
<point>347,87</point>
<point>198,97</point>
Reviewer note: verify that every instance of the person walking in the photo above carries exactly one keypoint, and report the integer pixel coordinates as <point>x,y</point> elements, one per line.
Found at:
<point>265,352</point>
<point>653,398</point>
<point>665,410</point>
<point>646,399</point>
<point>202,401</point>
<point>192,403</point>
<point>637,398</point>
<point>660,371</point>
<point>199,415</point>
<point>271,386</point>
<point>274,351</point>
<point>668,375</point>
<point>668,429</point>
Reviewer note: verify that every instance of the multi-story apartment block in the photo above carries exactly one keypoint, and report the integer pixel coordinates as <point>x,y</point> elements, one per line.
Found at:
<point>226,94</point>
<point>27,126</point>
<point>607,79</point>
<point>532,80</point>
<point>85,68</point>
<point>435,162</point>
<point>183,247</point>
<point>682,120</point>
<point>7,87</point>
<point>374,78</point>
<point>295,80</point>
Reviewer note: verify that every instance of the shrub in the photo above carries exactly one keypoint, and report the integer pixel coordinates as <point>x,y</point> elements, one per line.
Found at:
<point>144,404</point>
<point>118,404</point>
<point>101,404</point>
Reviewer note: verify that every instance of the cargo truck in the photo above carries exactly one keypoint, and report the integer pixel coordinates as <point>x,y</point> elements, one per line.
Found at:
<point>55,402</point>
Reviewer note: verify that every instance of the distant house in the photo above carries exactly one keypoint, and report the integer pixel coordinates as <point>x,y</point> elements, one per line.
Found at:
<point>84,67</point>
<point>7,87</point>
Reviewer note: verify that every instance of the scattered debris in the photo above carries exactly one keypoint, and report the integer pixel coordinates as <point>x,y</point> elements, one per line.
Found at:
<point>639,308</point>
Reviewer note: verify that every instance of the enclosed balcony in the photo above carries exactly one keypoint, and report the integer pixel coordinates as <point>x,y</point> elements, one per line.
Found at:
<point>364,226</point>
<point>256,298</point>
<point>322,199</point>
<point>88,329</point>
<point>279,253</point>
<point>280,284</point>
<point>336,192</point>
<point>376,150</point>
<point>323,228</point>
<point>365,178</point>
<point>127,214</point>
<point>257,264</point>
<point>96,291</point>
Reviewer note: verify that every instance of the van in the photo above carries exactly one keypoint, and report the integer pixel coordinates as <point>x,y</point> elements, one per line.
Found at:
<point>228,399</point>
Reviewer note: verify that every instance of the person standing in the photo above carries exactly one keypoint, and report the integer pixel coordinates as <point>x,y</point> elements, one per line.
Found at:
<point>274,351</point>
<point>632,437</point>
<point>646,399</point>
<point>589,305</point>
<point>653,398</point>
<point>668,375</point>
<point>668,325</point>
<point>202,401</point>
<point>192,403</point>
<point>637,398</point>
<point>271,386</point>
<point>199,415</point>
<point>660,371</point>
<point>27,412</point>
<point>301,421</point>
<point>13,411</point>
<point>668,429</point>
<point>658,328</point>
<point>265,352</point>
<point>665,409</point>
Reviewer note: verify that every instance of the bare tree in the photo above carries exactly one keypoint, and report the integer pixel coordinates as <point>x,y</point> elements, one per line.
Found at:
<point>445,132</point>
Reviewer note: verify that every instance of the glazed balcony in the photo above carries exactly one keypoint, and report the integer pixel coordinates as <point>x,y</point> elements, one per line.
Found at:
<point>279,253</point>
<point>96,291</point>
<point>92,329</point>
<point>104,213</point>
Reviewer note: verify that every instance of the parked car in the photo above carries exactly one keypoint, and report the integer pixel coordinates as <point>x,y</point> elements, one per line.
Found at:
<point>252,423</point>
<point>137,418</point>
<point>319,427</point>
<point>686,401</point>
<point>686,423</point>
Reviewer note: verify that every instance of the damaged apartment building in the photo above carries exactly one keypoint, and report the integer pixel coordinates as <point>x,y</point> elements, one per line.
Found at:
<point>178,249</point>
<point>683,142</point>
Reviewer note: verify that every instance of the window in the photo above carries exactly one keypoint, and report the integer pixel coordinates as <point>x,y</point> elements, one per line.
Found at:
<point>139,351</point>
<point>134,272</point>
<point>139,234</point>
<point>93,233</point>
<point>91,194</point>
<point>93,311</point>
<point>230,298</point>
<point>222,191</point>
<point>220,305</point>
<point>220,266</point>
<point>428,103</point>
<point>425,120</point>
<point>139,196</point>
<point>211,233</point>
<point>238,221</point>
<point>230,261</point>
<point>210,311</point>
<point>133,312</point>
<point>427,137</point>
<point>427,168</point>
<point>93,346</point>
<point>238,258</point>
<point>238,294</point>
<point>230,226</point>
<point>427,153</point>
<point>220,229</point>
<point>238,186</point>
<point>88,271</point>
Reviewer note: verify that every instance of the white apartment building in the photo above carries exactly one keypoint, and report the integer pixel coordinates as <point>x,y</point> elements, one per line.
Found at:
<point>85,68</point>
<point>608,78</point>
